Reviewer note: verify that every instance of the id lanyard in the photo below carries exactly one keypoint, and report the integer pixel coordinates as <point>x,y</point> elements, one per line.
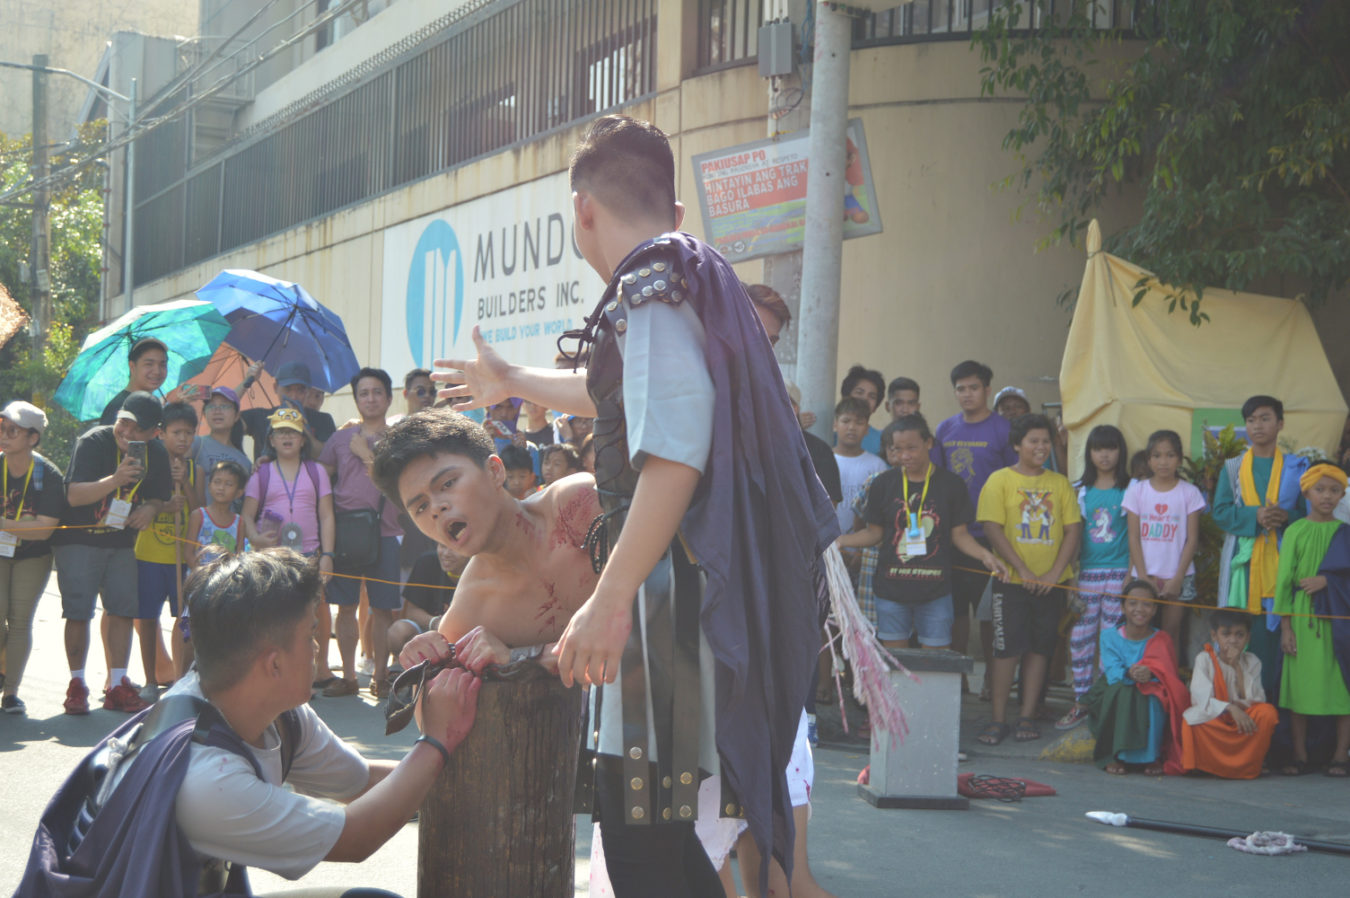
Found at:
<point>914,515</point>
<point>290,490</point>
<point>28,478</point>
<point>132,495</point>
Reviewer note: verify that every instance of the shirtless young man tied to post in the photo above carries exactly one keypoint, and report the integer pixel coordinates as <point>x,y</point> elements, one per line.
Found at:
<point>528,571</point>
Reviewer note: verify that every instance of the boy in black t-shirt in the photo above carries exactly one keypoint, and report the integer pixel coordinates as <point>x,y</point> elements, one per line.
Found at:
<point>110,496</point>
<point>426,595</point>
<point>916,511</point>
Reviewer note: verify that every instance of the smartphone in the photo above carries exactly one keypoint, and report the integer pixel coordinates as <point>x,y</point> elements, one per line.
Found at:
<point>137,449</point>
<point>189,391</point>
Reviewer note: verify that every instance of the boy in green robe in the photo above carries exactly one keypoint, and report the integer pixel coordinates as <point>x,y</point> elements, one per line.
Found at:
<point>1312,683</point>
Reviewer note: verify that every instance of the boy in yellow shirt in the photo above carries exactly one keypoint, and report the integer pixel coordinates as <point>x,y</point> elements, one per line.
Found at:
<point>159,548</point>
<point>1033,522</point>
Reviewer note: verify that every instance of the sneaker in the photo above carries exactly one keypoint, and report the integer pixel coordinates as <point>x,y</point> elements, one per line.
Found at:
<point>77,697</point>
<point>12,704</point>
<point>812,735</point>
<point>1076,715</point>
<point>365,665</point>
<point>124,697</point>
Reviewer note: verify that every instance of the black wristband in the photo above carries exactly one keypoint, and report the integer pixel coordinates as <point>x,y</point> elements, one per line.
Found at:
<point>436,744</point>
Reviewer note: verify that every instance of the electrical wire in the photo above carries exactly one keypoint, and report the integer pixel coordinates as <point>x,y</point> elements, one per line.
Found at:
<point>198,69</point>
<point>139,130</point>
<point>233,57</point>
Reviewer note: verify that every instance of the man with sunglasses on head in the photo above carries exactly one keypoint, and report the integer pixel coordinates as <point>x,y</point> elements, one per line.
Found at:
<point>418,391</point>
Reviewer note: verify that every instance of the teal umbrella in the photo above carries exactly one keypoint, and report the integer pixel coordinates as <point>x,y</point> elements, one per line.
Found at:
<point>190,328</point>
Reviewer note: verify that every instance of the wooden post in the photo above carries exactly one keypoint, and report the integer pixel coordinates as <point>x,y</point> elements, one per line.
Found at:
<point>498,822</point>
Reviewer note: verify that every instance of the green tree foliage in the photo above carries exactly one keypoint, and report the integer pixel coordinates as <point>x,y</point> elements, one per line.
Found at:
<point>76,256</point>
<point>1232,117</point>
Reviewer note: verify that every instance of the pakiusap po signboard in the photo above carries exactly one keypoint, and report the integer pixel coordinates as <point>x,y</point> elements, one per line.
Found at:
<point>753,195</point>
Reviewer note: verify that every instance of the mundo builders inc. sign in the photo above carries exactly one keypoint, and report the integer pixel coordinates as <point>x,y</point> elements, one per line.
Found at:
<point>507,263</point>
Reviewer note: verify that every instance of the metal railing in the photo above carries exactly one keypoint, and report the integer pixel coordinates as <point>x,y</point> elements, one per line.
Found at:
<point>923,20</point>
<point>728,33</point>
<point>521,68</point>
<point>504,73</point>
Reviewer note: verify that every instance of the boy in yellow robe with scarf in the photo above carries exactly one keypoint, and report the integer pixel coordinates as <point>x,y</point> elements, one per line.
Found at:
<point>1256,497</point>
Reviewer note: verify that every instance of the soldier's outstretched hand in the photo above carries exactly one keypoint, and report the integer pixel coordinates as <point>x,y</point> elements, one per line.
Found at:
<point>476,383</point>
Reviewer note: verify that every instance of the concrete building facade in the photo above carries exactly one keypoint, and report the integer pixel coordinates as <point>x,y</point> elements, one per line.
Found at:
<point>384,164</point>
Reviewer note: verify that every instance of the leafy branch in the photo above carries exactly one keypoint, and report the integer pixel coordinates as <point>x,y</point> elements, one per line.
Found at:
<point>1231,119</point>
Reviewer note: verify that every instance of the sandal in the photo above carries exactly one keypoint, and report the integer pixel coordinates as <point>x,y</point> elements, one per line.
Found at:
<point>340,688</point>
<point>1115,768</point>
<point>1154,769</point>
<point>993,734</point>
<point>1295,768</point>
<point>1026,730</point>
<point>1337,769</point>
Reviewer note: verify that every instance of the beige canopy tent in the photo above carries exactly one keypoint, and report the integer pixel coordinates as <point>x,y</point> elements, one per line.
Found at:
<point>1143,368</point>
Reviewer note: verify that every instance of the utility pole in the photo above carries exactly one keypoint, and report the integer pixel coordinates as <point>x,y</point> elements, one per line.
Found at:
<point>822,253</point>
<point>789,110</point>
<point>42,232</point>
<point>129,210</point>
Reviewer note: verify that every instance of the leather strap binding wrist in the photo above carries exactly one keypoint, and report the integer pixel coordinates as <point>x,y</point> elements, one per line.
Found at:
<point>436,744</point>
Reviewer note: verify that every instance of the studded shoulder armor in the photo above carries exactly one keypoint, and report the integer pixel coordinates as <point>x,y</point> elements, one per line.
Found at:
<point>655,273</point>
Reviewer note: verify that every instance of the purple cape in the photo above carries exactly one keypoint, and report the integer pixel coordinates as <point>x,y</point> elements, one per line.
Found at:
<point>134,845</point>
<point>1334,601</point>
<point>757,525</point>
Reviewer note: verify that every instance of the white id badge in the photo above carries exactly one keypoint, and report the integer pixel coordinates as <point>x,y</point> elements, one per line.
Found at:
<point>118,510</point>
<point>916,541</point>
<point>8,543</point>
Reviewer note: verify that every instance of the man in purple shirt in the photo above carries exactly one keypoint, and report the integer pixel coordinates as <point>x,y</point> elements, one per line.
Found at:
<point>972,445</point>
<point>348,456</point>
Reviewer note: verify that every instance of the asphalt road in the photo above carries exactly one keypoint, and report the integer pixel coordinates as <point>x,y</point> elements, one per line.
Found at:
<point>1040,846</point>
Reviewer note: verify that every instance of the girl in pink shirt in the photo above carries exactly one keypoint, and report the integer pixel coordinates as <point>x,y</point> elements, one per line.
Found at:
<point>297,493</point>
<point>1164,527</point>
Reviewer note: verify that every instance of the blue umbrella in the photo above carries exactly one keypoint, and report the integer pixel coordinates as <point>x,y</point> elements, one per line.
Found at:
<point>190,330</point>
<point>276,321</point>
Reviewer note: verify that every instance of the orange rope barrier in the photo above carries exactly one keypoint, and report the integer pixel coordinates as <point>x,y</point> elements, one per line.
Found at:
<point>1065,586</point>
<point>200,546</point>
<point>1194,606</point>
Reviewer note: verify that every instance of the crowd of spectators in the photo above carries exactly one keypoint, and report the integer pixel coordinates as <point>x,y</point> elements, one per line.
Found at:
<point>159,486</point>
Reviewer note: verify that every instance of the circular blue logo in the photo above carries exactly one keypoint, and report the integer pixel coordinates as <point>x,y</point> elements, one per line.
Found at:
<point>435,291</point>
